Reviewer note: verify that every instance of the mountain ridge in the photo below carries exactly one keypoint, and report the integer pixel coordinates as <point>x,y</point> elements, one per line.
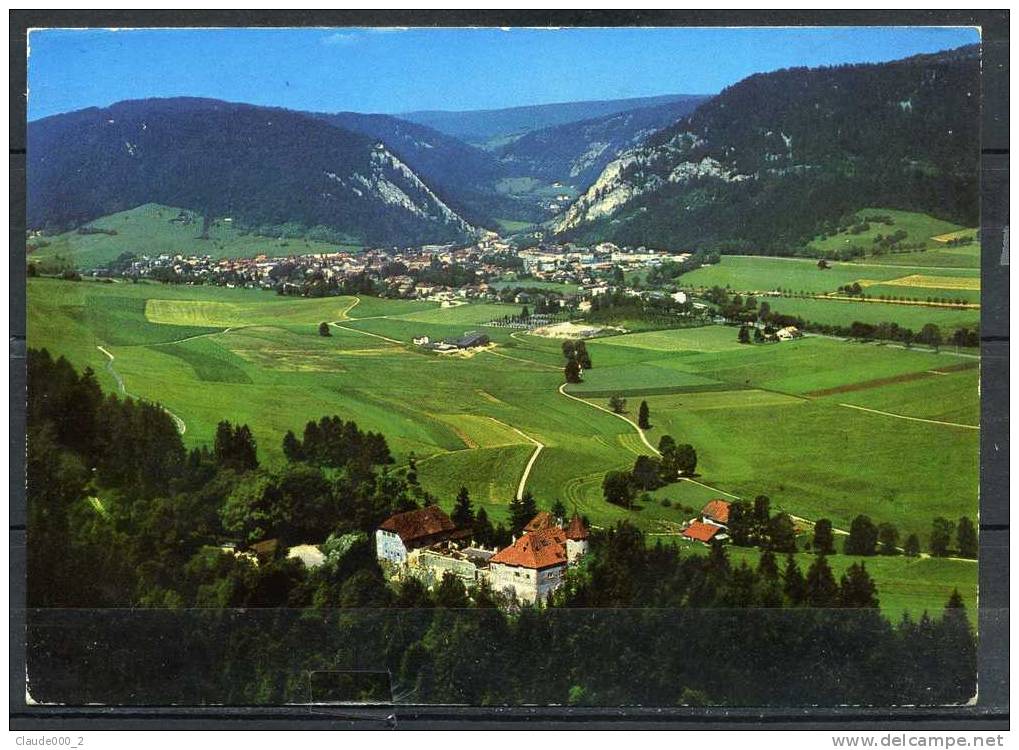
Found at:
<point>264,165</point>
<point>777,157</point>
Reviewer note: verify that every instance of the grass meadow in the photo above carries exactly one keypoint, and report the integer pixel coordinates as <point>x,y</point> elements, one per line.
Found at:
<point>764,419</point>
<point>919,228</point>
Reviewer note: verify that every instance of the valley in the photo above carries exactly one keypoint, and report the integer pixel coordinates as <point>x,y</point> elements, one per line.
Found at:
<point>810,328</point>
<point>773,419</point>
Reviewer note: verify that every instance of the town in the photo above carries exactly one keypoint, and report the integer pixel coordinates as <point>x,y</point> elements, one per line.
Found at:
<point>491,269</point>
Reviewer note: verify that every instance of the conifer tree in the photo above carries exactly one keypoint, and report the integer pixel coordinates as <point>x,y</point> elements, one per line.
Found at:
<point>857,589</point>
<point>824,540</point>
<point>767,567</point>
<point>820,589</point>
<point>463,511</point>
<point>966,537</point>
<point>793,585</point>
<point>912,546</point>
<point>644,416</point>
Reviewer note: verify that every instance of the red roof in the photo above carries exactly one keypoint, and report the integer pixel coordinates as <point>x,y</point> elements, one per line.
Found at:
<point>543,520</point>
<point>717,510</point>
<point>575,529</point>
<point>701,532</point>
<point>420,525</point>
<point>537,550</point>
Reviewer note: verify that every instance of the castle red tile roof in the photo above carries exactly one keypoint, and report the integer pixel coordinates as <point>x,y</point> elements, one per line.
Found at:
<point>701,532</point>
<point>537,550</point>
<point>717,510</point>
<point>575,529</point>
<point>543,520</point>
<point>422,525</point>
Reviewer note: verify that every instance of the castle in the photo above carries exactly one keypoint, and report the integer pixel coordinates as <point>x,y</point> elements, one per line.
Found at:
<point>426,544</point>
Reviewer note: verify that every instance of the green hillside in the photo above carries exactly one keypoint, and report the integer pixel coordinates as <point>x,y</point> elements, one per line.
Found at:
<point>152,230</point>
<point>920,231</point>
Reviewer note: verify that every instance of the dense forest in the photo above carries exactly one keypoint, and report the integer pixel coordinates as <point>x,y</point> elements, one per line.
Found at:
<point>777,158</point>
<point>158,575</point>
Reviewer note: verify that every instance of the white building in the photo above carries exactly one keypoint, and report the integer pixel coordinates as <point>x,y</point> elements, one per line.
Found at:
<point>532,567</point>
<point>535,564</point>
<point>400,534</point>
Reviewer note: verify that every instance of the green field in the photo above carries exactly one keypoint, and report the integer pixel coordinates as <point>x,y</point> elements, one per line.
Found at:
<point>920,228</point>
<point>845,312</point>
<point>751,273</point>
<point>148,230</point>
<point>766,275</point>
<point>772,419</point>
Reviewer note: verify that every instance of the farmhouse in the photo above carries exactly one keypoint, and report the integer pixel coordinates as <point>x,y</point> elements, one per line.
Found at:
<point>716,512</point>
<point>713,524</point>
<point>788,333</point>
<point>705,533</point>
<point>470,340</point>
<point>400,534</point>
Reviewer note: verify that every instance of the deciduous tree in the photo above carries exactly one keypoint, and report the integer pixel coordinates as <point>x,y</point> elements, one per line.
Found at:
<point>941,537</point>
<point>618,489</point>
<point>966,537</point>
<point>824,540</point>
<point>862,539</point>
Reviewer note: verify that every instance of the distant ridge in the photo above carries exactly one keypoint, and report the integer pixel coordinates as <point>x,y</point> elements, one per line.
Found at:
<point>484,125</point>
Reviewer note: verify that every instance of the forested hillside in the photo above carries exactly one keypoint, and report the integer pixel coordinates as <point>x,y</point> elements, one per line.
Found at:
<point>575,153</point>
<point>256,165</point>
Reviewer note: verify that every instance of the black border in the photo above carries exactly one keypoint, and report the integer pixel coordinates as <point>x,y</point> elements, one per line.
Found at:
<point>991,712</point>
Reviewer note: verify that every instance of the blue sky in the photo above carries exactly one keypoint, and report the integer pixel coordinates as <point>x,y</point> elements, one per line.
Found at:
<point>400,70</point>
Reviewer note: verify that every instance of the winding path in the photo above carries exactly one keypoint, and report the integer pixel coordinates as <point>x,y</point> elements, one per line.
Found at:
<point>180,423</point>
<point>911,419</point>
<point>634,425</point>
<point>335,324</point>
<point>538,446</point>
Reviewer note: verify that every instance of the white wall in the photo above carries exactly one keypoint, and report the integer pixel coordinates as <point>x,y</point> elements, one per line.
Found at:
<point>528,584</point>
<point>389,546</point>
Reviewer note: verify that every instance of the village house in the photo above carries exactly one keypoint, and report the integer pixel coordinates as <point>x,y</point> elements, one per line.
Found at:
<point>713,524</point>
<point>716,512</point>
<point>788,333</point>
